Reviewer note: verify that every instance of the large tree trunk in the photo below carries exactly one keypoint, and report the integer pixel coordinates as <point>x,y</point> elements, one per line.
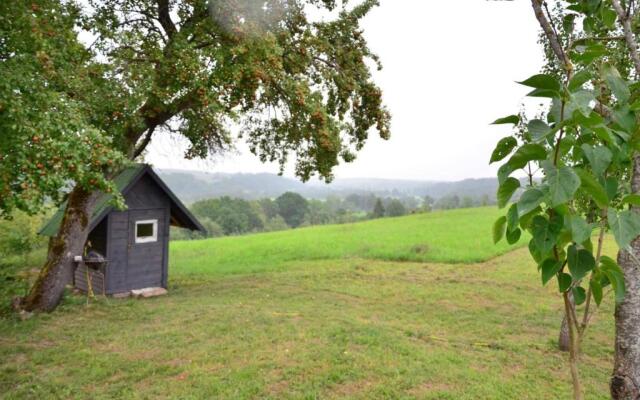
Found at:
<point>57,272</point>
<point>625,381</point>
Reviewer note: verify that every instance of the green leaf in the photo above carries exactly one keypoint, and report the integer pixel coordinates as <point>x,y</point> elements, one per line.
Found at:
<point>542,81</point>
<point>581,101</point>
<point>564,112</point>
<point>525,219</point>
<point>580,229</point>
<point>545,233</point>
<point>586,54</point>
<point>615,82</point>
<point>506,190</point>
<point>611,187</point>
<point>590,121</point>
<point>579,79</point>
<point>608,17</point>
<point>587,244</point>
<point>568,22</point>
<point>609,263</point>
<point>512,217</point>
<point>498,229</point>
<point>562,209</point>
<point>632,199</point>
<point>511,119</point>
<point>504,171</point>
<point>579,295</point>
<point>526,153</point>
<point>529,200</point>
<point>563,183</point>
<point>593,188</point>
<point>534,251</point>
<point>625,226</point>
<point>580,262</point>
<point>576,7</point>
<point>612,271</point>
<point>504,147</point>
<point>589,23</point>
<point>596,290</point>
<point>624,136</point>
<point>538,129</point>
<point>564,282</point>
<point>549,268</point>
<point>548,93</point>
<point>626,120</point>
<point>599,157</point>
<point>513,236</point>
<point>605,134</point>
<point>635,106</point>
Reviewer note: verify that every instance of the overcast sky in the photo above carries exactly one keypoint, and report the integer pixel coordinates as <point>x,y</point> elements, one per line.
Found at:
<point>449,70</point>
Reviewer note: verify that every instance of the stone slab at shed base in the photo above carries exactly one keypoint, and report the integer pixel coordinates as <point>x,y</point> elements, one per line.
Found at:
<point>149,292</point>
<point>146,292</point>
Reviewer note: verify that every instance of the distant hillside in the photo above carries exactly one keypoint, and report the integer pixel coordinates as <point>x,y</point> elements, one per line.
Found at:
<point>192,186</point>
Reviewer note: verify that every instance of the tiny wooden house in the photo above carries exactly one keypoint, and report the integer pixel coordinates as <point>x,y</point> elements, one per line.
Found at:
<point>135,241</point>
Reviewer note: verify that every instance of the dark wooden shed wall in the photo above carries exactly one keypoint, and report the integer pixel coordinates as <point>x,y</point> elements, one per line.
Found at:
<point>144,196</point>
<point>114,237</point>
<point>117,252</point>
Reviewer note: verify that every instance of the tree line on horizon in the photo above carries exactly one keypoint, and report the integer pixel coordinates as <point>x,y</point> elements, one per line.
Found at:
<point>226,215</point>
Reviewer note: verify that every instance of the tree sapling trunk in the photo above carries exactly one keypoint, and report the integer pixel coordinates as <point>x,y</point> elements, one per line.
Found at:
<point>563,336</point>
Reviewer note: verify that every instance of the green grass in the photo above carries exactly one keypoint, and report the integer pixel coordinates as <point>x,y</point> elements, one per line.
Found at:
<point>455,236</point>
<point>347,323</point>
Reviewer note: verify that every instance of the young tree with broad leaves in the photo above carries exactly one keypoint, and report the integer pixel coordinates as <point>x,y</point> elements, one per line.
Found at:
<point>587,149</point>
<point>78,111</point>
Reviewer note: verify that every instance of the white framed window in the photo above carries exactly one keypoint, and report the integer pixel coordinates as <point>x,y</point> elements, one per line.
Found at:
<point>147,231</point>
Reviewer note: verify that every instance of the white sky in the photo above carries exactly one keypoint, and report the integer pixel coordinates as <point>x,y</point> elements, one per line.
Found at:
<point>449,70</point>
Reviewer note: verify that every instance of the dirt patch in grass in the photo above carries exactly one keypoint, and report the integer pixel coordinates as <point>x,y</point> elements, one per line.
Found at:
<point>277,388</point>
<point>351,388</point>
<point>429,388</point>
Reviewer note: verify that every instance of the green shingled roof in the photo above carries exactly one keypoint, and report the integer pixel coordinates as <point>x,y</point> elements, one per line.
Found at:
<point>121,181</point>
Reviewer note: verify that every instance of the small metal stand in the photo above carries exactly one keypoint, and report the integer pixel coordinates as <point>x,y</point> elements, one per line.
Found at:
<point>94,263</point>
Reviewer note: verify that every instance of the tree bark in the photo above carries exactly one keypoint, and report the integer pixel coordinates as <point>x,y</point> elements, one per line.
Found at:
<point>563,336</point>
<point>47,291</point>
<point>574,347</point>
<point>625,380</point>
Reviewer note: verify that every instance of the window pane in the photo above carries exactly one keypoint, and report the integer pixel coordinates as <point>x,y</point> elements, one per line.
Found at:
<point>144,230</point>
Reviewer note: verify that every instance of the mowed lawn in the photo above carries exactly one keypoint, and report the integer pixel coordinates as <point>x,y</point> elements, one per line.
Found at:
<point>318,313</point>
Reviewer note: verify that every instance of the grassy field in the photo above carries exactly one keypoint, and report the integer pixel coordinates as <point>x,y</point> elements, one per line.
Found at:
<point>455,236</point>
<point>350,311</point>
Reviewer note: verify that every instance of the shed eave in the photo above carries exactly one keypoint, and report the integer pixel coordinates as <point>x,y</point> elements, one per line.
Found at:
<point>124,182</point>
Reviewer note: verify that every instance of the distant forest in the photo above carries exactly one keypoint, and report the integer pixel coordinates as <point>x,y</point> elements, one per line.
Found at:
<point>192,186</point>
<point>234,204</point>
